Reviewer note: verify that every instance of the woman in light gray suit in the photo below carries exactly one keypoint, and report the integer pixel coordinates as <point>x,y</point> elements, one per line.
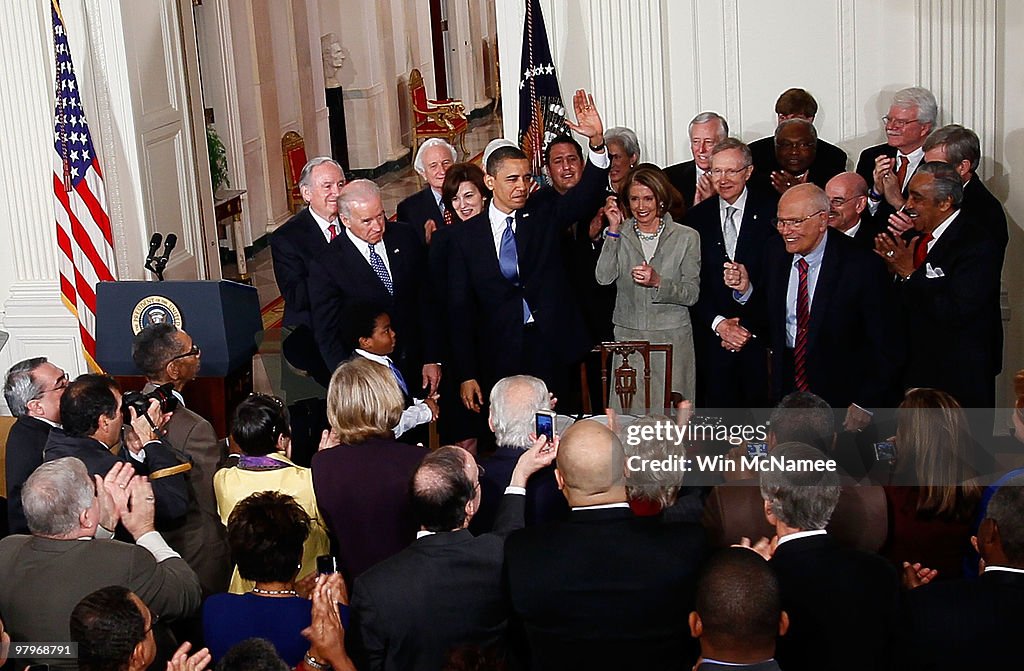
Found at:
<point>655,264</point>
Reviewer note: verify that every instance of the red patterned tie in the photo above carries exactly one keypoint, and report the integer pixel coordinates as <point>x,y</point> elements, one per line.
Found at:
<point>332,232</point>
<point>921,250</point>
<point>901,170</point>
<point>803,317</point>
<point>447,217</point>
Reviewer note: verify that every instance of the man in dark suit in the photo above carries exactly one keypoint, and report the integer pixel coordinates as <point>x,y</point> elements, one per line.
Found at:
<point>424,210</point>
<point>949,295</point>
<point>445,589</point>
<point>90,411</point>
<point>734,226</point>
<point>166,354</point>
<point>71,554</point>
<point>841,603</point>
<point>293,248</point>
<point>961,148</point>
<point>32,389</point>
<point>510,307</point>
<point>798,104</point>
<point>738,613</point>
<point>848,197</point>
<point>693,178</point>
<point>794,160</point>
<point>381,264</point>
<point>888,167</point>
<point>965,624</point>
<point>825,307</point>
<point>603,589</point>
<point>514,403</point>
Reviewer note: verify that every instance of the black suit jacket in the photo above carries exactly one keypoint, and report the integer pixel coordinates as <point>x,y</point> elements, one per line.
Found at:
<point>344,278</point>
<point>866,162</point>
<point>417,209</point>
<point>442,591</point>
<point>842,605</point>
<point>293,248</point>
<point>24,454</point>
<point>963,624</point>
<point>730,379</point>
<point>544,501</point>
<point>987,211</point>
<point>605,590</point>
<point>486,329</point>
<point>829,161</point>
<point>683,177</point>
<point>171,492</point>
<point>852,356</point>
<point>953,321</point>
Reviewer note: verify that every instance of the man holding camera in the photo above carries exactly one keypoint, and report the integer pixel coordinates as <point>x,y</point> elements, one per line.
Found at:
<point>95,431</point>
<point>167,355</point>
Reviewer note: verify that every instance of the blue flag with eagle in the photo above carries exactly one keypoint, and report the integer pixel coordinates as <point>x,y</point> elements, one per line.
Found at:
<point>541,113</point>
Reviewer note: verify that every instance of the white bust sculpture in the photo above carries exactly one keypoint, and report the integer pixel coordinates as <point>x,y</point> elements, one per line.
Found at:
<point>333,57</point>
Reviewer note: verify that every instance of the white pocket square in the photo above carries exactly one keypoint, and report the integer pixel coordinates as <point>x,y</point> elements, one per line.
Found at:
<point>932,273</point>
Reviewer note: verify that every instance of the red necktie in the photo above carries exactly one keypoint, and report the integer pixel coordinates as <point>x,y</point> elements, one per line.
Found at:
<point>447,217</point>
<point>901,170</point>
<point>332,232</point>
<point>803,318</point>
<point>921,250</point>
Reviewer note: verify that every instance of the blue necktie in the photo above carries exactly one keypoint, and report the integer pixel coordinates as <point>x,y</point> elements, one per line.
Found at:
<point>398,377</point>
<point>508,261</point>
<point>378,266</point>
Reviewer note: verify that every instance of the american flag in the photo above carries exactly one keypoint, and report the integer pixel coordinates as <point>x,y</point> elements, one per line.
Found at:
<point>86,248</point>
<point>541,113</point>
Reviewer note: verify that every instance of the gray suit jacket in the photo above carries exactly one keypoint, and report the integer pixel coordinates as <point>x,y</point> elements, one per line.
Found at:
<point>45,578</point>
<point>677,261</point>
<point>201,539</point>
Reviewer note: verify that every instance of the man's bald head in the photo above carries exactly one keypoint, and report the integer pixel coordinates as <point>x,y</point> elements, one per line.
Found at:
<point>590,465</point>
<point>848,196</point>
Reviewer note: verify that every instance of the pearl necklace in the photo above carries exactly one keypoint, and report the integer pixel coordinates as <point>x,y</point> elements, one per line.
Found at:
<point>649,236</point>
<point>273,592</point>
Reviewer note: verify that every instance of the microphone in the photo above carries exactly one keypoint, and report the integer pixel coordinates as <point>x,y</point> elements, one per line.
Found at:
<point>154,244</point>
<point>172,240</point>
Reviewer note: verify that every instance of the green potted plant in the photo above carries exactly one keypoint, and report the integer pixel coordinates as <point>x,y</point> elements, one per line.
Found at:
<point>218,159</point>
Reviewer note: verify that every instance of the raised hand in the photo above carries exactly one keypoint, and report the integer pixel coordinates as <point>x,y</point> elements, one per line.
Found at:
<point>588,120</point>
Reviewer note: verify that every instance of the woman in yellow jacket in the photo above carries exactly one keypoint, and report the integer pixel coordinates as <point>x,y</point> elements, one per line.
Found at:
<point>261,429</point>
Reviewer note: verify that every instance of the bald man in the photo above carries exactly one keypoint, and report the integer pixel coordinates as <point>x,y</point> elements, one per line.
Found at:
<point>603,589</point>
<point>848,208</point>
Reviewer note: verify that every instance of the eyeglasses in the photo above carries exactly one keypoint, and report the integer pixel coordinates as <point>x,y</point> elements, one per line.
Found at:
<point>897,123</point>
<point>794,223</point>
<point>153,619</point>
<point>194,351</point>
<point>727,172</point>
<point>786,145</point>
<point>839,202</point>
<point>61,383</point>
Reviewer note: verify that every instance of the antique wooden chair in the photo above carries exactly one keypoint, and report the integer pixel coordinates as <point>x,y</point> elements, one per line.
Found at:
<point>435,118</point>
<point>293,148</point>
<point>626,379</point>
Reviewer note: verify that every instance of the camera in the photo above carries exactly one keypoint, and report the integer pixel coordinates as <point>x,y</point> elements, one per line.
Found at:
<point>136,399</point>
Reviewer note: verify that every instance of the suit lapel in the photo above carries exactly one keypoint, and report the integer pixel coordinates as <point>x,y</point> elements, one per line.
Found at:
<point>824,288</point>
<point>399,262</point>
<point>351,260</point>
<point>525,239</point>
<point>746,243</point>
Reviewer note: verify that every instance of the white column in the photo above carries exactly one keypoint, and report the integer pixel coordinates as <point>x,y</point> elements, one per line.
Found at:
<point>33,313</point>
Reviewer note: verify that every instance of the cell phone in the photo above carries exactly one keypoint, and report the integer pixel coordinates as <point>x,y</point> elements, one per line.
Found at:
<point>545,423</point>
<point>326,564</point>
<point>757,449</point>
<point>885,451</point>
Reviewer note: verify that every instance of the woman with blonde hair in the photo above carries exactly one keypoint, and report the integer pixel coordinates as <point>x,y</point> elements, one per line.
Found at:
<point>933,492</point>
<point>362,480</point>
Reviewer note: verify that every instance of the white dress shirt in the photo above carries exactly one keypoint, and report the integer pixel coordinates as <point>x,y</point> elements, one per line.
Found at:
<point>325,225</point>
<point>364,248</point>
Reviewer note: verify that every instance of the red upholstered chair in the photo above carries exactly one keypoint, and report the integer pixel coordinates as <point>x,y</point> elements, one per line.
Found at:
<point>293,148</point>
<point>435,118</point>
